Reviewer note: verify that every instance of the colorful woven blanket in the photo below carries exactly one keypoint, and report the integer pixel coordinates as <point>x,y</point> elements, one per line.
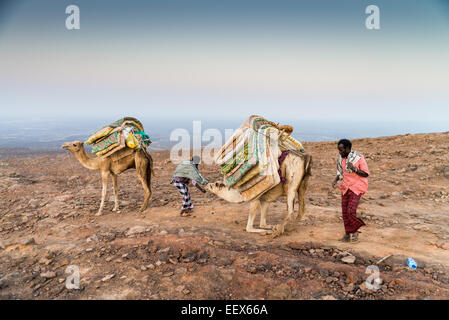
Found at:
<point>125,132</point>
<point>249,159</point>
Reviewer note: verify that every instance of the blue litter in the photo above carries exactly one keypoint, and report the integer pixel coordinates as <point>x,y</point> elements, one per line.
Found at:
<point>412,263</point>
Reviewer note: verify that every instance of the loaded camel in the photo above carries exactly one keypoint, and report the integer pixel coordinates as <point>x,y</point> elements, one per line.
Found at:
<point>296,169</point>
<point>115,164</point>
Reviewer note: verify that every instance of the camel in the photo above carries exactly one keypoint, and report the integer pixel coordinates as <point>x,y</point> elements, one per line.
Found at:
<point>115,164</point>
<point>296,169</point>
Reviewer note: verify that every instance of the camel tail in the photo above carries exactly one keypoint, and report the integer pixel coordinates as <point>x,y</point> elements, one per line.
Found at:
<point>303,188</point>
<point>151,167</point>
<point>150,171</point>
<point>308,165</point>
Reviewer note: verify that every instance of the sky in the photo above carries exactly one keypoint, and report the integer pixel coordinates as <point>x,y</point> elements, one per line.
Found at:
<point>206,59</point>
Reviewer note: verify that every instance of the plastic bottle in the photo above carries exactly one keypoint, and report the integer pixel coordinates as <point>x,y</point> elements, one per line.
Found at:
<point>412,263</point>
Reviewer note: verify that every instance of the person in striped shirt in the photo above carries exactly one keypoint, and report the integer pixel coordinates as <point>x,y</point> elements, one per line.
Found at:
<point>185,172</point>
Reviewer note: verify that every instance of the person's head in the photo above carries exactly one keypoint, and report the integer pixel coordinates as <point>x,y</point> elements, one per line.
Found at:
<point>344,147</point>
<point>196,160</point>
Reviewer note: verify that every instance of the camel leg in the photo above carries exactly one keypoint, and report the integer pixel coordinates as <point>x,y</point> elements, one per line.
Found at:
<point>147,196</point>
<point>253,207</point>
<point>279,229</point>
<point>263,215</point>
<point>104,180</point>
<point>302,200</point>
<point>114,181</point>
<point>301,210</point>
<point>142,172</point>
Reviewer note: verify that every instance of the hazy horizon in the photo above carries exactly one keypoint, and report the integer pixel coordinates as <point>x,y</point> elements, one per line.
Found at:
<point>310,60</point>
<point>49,133</point>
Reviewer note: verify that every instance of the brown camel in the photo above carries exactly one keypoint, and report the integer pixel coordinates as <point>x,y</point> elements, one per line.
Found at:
<point>296,169</point>
<point>115,164</point>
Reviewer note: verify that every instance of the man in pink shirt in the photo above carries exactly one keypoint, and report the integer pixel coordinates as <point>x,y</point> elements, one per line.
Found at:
<point>353,169</point>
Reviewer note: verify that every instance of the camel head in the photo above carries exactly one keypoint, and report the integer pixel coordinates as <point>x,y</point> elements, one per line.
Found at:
<point>214,187</point>
<point>228,194</point>
<point>73,147</point>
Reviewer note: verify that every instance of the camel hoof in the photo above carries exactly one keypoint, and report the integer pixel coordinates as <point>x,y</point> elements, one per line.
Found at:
<point>277,231</point>
<point>98,214</point>
<point>256,230</point>
<point>275,234</point>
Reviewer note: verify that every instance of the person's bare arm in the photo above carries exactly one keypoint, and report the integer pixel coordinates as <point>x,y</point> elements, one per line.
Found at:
<point>196,184</point>
<point>357,171</point>
<point>334,183</point>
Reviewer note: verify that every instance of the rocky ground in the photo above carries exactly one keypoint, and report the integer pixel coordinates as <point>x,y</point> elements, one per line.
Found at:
<point>47,223</point>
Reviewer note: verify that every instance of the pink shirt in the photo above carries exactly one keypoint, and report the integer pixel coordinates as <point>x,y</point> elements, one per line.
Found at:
<point>352,181</point>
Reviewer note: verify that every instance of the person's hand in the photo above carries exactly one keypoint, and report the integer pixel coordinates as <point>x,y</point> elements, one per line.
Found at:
<point>351,166</point>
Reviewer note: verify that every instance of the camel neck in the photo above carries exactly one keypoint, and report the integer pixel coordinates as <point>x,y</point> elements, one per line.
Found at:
<point>89,163</point>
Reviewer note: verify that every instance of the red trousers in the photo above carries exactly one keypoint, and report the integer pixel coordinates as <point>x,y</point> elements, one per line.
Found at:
<point>349,204</point>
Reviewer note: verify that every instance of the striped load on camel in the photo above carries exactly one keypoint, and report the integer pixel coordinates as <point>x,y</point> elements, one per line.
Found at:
<point>250,160</point>
<point>126,132</point>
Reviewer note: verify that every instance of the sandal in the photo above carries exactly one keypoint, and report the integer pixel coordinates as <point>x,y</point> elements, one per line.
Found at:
<point>355,237</point>
<point>346,238</point>
<point>186,213</point>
